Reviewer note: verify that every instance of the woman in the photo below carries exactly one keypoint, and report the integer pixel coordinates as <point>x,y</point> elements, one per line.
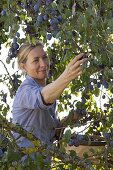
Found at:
<point>35,101</point>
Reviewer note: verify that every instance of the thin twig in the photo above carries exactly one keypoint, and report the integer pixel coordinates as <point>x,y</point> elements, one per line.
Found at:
<point>8,74</point>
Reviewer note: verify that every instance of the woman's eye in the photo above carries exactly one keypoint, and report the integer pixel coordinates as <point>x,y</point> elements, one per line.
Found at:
<point>35,61</point>
<point>45,57</point>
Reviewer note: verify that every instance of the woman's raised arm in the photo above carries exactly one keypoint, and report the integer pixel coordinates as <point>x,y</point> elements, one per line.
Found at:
<point>52,91</point>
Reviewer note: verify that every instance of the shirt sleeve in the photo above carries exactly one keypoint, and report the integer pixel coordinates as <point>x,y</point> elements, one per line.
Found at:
<point>30,97</point>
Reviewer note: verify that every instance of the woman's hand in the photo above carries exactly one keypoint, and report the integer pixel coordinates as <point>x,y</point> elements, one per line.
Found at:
<point>75,67</point>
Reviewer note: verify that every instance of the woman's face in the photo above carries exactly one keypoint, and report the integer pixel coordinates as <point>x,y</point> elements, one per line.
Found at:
<point>37,64</point>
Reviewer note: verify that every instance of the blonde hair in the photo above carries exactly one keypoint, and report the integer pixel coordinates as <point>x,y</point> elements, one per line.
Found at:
<point>24,51</point>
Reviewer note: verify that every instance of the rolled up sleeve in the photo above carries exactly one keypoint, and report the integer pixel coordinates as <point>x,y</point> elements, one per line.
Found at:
<point>30,97</point>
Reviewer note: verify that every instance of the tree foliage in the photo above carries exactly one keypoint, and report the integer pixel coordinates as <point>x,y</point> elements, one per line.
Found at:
<point>77,26</point>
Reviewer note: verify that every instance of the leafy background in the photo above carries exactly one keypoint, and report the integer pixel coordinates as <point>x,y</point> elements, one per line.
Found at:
<point>77,26</point>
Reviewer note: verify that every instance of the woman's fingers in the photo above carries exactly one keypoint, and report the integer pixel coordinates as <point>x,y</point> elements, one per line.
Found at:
<point>79,59</point>
<point>79,63</point>
<point>74,72</point>
<point>79,73</point>
<point>75,67</point>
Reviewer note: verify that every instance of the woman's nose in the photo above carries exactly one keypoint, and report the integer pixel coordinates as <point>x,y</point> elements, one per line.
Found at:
<point>43,63</point>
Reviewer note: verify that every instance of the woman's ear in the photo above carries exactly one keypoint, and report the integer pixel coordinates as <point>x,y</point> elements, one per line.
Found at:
<point>22,66</point>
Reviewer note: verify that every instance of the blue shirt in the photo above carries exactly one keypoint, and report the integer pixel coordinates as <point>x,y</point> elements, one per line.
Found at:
<point>32,114</point>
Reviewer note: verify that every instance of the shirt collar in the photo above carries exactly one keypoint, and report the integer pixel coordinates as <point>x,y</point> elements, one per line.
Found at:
<point>31,78</point>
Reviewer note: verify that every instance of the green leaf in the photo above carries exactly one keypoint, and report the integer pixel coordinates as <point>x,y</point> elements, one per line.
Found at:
<point>67,135</point>
<point>13,64</point>
<point>73,153</point>
<point>39,160</point>
<point>13,156</point>
<point>85,155</point>
<point>19,167</point>
<point>92,150</point>
<point>96,91</point>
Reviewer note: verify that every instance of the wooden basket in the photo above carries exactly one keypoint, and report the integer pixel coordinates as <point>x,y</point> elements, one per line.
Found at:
<point>96,146</point>
<point>81,149</point>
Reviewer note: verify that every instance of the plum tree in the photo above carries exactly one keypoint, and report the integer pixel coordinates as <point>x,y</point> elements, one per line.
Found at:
<point>75,27</point>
